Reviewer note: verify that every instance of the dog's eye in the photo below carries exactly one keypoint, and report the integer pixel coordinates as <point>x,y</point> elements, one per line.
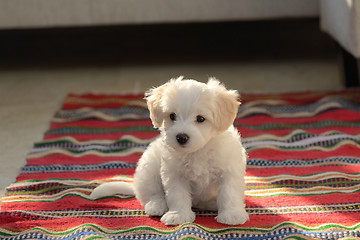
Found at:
<point>200,119</point>
<point>173,116</point>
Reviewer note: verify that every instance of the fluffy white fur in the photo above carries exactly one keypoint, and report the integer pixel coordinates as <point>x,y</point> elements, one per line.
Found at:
<point>198,160</point>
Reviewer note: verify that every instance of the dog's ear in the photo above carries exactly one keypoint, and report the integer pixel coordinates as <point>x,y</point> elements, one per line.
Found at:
<point>153,98</point>
<point>155,101</point>
<point>226,104</point>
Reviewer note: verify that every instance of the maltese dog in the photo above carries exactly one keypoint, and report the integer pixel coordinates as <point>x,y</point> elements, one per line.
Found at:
<point>198,161</point>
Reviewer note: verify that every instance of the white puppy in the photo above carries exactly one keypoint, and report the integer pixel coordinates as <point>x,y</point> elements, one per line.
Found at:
<point>198,161</point>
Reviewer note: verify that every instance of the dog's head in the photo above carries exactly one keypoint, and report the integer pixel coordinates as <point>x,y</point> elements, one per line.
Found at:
<point>189,113</point>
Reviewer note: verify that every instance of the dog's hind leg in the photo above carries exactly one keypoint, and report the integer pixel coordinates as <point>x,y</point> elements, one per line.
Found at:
<point>147,183</point>
<point>151,195</point>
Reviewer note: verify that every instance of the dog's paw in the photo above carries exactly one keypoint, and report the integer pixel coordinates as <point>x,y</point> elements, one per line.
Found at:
<point>176,217</point>
<point>233,217</point>
<point>156,207</point>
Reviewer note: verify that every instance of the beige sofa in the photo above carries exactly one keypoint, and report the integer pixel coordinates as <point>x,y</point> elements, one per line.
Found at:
<point>339,18</point>
<point>59,13</point>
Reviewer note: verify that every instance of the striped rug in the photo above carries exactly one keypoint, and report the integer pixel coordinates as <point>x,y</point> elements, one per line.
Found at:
<point>303,175</point>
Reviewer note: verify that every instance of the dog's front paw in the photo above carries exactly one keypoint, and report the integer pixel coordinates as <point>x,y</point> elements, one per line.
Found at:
<point>156,207</point>
<point>232,217</point>
<point>176,217</point>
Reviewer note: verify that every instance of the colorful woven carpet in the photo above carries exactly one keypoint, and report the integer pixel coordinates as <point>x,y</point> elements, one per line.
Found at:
<point>303,176</point>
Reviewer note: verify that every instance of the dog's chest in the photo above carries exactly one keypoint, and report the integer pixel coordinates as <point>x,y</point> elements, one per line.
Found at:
<point>200,171</point>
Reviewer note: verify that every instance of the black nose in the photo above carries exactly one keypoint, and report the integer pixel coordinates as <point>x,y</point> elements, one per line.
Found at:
<point>182,138</point>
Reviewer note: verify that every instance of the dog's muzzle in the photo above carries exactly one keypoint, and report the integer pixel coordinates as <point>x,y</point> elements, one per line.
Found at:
<point>182,138</point>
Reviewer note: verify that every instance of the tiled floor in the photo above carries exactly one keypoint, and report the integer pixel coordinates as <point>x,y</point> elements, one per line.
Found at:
<point>31,93</point>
